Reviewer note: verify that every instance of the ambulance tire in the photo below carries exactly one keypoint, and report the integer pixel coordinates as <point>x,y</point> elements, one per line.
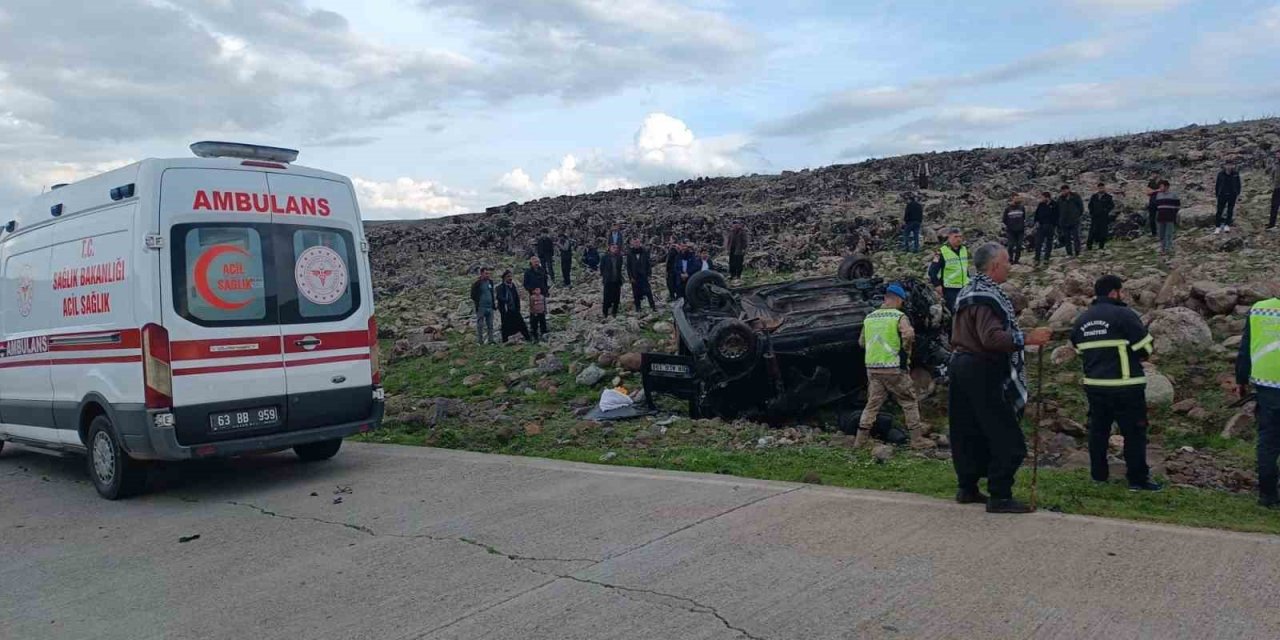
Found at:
<point>317,451</point>
<point>114,474</point>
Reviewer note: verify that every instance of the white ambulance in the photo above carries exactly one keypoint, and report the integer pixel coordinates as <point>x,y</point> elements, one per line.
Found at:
<point>188,308</point>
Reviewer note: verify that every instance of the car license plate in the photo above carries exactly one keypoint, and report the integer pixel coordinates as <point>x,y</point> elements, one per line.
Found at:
<point>673,370</point>
<point>244,419</point>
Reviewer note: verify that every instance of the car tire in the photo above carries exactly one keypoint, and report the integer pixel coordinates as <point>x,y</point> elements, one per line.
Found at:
<point>114,474</point>
<point>317,451</point>
<point>856,268</point>
<point>733,344</point>
<point>696,293</point>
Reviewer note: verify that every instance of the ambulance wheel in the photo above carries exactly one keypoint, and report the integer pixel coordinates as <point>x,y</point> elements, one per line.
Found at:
<point>115,475</point>
<point>317,451</point>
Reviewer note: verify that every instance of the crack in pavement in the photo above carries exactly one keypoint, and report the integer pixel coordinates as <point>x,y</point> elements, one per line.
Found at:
<point>693,606</point>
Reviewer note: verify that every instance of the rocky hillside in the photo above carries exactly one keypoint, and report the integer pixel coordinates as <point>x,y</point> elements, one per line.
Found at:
<point>448,391</point>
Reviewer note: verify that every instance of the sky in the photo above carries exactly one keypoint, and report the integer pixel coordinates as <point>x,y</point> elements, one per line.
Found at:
<point>438,107</point>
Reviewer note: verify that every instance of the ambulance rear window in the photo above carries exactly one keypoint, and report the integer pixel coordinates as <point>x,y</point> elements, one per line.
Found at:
<point>220,275</point>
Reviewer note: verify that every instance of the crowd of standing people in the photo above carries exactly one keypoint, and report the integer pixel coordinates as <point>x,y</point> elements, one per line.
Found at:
<point>622,263</point>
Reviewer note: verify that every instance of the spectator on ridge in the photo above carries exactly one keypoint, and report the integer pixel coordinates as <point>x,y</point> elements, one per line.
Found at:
<point>509,308</point>
<point>546,251</point>
<point>536,277</point>
<point>1227,189</point>
<point>1015,227</point>
<point>484,301</point>
<point>1167,207</point>
<point>1101,204</point>
<point>1153,187</point>
<point>611,270</point>
<point>735,244</point>
<point>671,260</point>
<point>639,271</point>
<point>1046,227</point>
<point>1070,212</point>
<point>1275,191</point>
<point>537,315</point>
<point>591,259</point>
<point>565,245</point>
<point>912,218</point>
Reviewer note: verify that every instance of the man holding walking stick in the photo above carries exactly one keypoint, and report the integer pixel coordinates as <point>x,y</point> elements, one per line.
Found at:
<point>988,389</point>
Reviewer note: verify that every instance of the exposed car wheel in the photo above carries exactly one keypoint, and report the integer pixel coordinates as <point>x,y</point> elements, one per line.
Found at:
<point>115,475</point>
<point>733,343</point>
<point>856,268</point>
<point>316,451</point>
<point>697,294</point>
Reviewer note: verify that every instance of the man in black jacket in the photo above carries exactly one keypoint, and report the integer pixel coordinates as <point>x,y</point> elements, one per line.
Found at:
<point>1113,342</point>
<point>1101,204</point>
<point>536,277</point>
<point>1227,190</point>
<point>1153,188</point>
<point>1046,227</point>
<point>546,253</point>
<point>1015,227</point>
<point>485,301</point>
<point>1070,212</point>
<point>565,245</point>
<point>639,269</point>
<point>671,260</point>
<point>911,221</point>
<point>611,269</point>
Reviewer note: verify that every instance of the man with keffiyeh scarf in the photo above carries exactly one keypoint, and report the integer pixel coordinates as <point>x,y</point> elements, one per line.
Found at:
<point>989,385</point>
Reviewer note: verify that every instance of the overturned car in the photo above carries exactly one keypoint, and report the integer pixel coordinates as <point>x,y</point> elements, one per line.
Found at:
<point>783,350</point>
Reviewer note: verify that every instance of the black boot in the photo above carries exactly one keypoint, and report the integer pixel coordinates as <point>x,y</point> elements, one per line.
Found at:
<point>971,496</point>
<point>1269,501</point>
<point>1007,505</point>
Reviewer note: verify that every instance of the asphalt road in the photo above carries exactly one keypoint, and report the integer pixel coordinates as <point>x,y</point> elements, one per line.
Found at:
<point>438,544</point>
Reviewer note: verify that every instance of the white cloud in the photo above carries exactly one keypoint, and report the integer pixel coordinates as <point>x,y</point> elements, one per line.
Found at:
<point>406,198</point>
<point>517,183</point>
<point>612,183</point>
<point>565,179</point>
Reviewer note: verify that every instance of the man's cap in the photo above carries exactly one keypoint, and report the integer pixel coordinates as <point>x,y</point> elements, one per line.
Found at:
<point>897,290</point>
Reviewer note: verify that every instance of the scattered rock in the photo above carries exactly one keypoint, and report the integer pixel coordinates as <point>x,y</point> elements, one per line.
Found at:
<point>630,361</point>
<point>882,453</point>
<point>1177,327</point>
<point>1063,355</point>
<point>473,380</point>
<point>532,429</point>
<point>551,364</point>
<point>591,376</point>
<point>1159,390</point>
<point>1184,406</point>
<point>1242,423</point>
<point>1064,315</point>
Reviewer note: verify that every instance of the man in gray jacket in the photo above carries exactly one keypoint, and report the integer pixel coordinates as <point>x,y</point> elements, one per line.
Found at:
<point>1070,211</point>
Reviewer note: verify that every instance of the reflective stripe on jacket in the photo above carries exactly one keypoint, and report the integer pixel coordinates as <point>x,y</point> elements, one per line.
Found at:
<point>1112,342</point>
<point>955,267</point>
<point>883,342</point>
<point>1264,343</point>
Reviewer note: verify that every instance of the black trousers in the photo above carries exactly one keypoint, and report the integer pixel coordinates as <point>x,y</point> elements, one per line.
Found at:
<point>1227,205</point>
<point>1126,407</point>
<point>1151,221</point>
<point>672,293</point>
<point>986,434</point>
<point>1275,207</point>
<point>1016,240</point>
<point>1044,243</point>
<point>566,264</point>
<point>513,323</point>
<point>1071,239</point>
<point>735,264</point>
<point>612,298</point>
<point>1268,447</point>
<point>950,295</point>
<point>1099,230</point>
<point>538,324</point>
<point>640,290</point>
<point>546,260</point>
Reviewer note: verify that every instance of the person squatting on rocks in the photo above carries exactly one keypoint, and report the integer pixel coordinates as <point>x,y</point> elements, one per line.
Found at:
<point>611,270</point>
<point>988,389</point>
<point>591,259</point>
<point>735,244</point>
<point>537,315</point>
<point>1113,342</point>
<point>509,308</point>
<point>1227,189</point>
<point>912,219</point>
<point>1015,227</point>
<point>1274,171</point>
<point>536,277</point>
<point>887,338</point>
<point>1101,204</point>
<point>670,260</point>
<point>1167,207</point>
<point>546,251</point>
<point>484,300</point>
<point>1070,212</point>
<point>1046,227</point>
<point>1258,363</point>
<point>949,271</point>
<point>639,271</point>
<point>565,245</point>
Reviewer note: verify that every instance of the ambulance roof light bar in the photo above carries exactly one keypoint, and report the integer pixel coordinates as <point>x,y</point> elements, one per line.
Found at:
<point>216,149</point>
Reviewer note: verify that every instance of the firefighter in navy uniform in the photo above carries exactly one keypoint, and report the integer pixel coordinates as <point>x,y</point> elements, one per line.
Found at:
<point>1258,363</point>
<point>1113,342</point>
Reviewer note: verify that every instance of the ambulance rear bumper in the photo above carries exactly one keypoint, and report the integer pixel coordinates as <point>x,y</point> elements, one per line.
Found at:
<point>161,442</point>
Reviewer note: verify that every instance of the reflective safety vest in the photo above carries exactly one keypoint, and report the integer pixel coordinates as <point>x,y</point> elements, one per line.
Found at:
<point>955,267</point>
<point>1264,344</point>
<point>883,342</point>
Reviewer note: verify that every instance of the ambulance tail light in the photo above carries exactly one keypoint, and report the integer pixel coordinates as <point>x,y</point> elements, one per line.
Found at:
<point>157,376</point>
<point>375,353</point>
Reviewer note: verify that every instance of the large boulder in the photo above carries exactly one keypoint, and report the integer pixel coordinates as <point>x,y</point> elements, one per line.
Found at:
<point>1179,327</point>
<point>1159,390</point>
<point>1065,315</point>
<point>1221,301</point>
<point>591,376</point>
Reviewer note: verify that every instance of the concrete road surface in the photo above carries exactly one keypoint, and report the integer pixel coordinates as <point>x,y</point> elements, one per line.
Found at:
<point>396,542</point>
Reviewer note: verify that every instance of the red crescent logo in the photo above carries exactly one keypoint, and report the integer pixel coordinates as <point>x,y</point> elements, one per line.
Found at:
<point>202,276</point>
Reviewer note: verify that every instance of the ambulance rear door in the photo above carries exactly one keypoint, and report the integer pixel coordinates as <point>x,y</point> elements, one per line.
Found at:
<point>220,304</point>
<point>325,301</point>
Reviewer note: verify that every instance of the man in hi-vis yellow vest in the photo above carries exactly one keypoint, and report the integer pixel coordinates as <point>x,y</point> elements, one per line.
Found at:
<point>949,272</point>
<point>886,338</point>
<point>1258,363</point>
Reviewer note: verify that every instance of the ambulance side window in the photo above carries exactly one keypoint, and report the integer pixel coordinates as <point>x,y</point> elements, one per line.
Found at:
<point>324,275</point>
<point>220,275</point>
